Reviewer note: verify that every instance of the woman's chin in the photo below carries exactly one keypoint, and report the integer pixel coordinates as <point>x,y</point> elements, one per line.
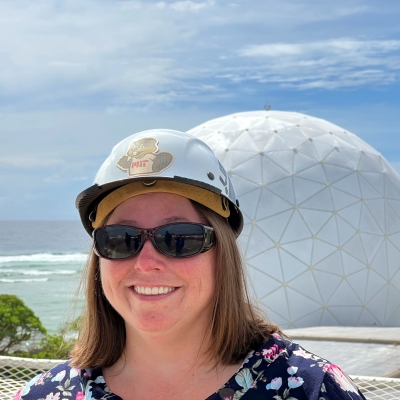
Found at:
<point>154,323</point>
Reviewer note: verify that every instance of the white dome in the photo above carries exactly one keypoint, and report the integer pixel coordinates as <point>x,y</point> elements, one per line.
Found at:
<point>322,218</point>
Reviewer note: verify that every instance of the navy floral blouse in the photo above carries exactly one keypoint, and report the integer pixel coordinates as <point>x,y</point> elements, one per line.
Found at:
<point>278,370</point>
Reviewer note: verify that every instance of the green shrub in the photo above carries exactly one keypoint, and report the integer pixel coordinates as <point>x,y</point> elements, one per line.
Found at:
<point>18,324</point>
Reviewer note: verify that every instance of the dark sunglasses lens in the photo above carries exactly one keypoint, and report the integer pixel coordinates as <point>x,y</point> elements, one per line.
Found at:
<point>180,240</point>
<point>117,241</point>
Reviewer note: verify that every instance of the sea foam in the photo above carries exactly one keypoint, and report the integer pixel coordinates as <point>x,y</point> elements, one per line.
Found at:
<point>44,258</point>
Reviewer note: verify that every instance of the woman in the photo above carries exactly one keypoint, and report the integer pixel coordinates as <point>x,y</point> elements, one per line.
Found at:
<point>167,313</point>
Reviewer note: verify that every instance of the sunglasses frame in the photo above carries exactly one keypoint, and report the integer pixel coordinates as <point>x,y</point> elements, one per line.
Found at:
<point>149,233</point>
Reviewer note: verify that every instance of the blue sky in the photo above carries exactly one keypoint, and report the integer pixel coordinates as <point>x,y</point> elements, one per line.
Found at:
<point>78,76</point>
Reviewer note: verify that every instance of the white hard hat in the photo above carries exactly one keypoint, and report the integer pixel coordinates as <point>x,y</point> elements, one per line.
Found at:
<point>159,160</point>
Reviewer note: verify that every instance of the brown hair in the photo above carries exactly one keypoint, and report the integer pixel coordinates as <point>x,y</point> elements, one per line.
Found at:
<point>236,325</point>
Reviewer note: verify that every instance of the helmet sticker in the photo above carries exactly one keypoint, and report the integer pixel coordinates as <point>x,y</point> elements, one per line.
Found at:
<point>143,158</point>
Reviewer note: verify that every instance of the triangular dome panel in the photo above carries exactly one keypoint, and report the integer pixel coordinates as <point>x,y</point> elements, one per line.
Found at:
<point>322,251</point>
<point>283,188</point>
<point>351,215</point>
<point>311,319</point>
<point>293,137</point>
<point>275,144</point>
<point>393,255</point>
<point>351,265</point>
<point>370,163</point>
<point>345,230</point>
<point>394,204</point>
<point>302,162</point>
<point>263,284</point>
<point>375,284</point>
<point>315,219</point>
<point>367,319</point>
<point>277,301</point>
<point>353,156</point>
<point>376,180</point>
<point>395,280</point>
<point>300,305</point>
<point>296,229</point>
<point>367,190</point>
<point>234,158</point>
<point>393,303</point>
<point>243,186</point>
<point>349,184</point>
<point>249,203</point>
<point>282,321</point>
<point>337,165</point>
<point>377,209</point>
<point>250,169</point>
<point>374,305</point>
<point>392,221</point>
<point>259,243</point>
<point>335,173</point>
<point>305,188</point>
<point>271,204</point>
<point>344,296</point>
<point>282,158</point>
<point>329,232</point>
<point>322,148</point>
<point>292,267</point>
<point>371,244</point>
<point>315,173</point>
<point>274,226</point>
<point>328,319</point>
<point>327,284</point>
<point>301,249</point>
<point>358,283</point>
<point>368,223</point>
<point>342,199</point>
<point>269,263</point>
<point>379,264</point>
<point>392,190</point>
<point>354,247</point>
<point>321,201</point>
<point>393,319</point>
<point>347,316</point>
<point>306,284</point>
<point>307,148</point>
<point>271,171</point>
<point>245,143</point>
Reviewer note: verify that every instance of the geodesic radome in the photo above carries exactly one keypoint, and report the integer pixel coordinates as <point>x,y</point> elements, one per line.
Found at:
<point>322,218</point>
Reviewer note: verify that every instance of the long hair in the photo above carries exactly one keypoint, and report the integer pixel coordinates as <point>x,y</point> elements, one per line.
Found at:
<point>236,326</point>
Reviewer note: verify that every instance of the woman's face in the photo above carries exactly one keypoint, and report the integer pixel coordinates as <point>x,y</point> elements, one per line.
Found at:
<point>187,283</point>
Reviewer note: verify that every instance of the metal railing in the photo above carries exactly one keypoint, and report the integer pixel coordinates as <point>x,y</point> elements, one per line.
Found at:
<point>16,371</point>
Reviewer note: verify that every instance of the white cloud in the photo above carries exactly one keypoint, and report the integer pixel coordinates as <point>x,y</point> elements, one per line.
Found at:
<point>329,64</point>
<point>186,5</point>
<point>26,162</point>
<point>338,47</point>
<point>134,54</point>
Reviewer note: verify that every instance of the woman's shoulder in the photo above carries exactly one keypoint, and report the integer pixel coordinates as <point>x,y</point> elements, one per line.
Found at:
<point>61,379</point>
<point>282,369</point>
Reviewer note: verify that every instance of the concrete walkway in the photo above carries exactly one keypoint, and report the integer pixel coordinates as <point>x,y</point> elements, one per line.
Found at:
<point>364,351</point>
<point>348,334</point>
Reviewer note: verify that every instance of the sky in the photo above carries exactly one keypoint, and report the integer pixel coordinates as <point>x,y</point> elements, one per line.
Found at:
<point>76,77</point>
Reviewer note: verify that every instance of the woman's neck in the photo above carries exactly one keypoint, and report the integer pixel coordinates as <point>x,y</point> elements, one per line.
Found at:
<point>166,350</point>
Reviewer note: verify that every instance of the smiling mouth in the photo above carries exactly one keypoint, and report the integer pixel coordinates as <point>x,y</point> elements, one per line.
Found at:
<point>151,291</point>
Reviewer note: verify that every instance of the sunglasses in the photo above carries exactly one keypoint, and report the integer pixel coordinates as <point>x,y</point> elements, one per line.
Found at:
<point>181,240</point>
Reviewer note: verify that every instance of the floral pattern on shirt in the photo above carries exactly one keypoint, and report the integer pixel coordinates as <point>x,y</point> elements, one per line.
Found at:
<point>278,370</point>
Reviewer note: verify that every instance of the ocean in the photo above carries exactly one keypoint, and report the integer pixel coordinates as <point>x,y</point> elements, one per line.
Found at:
<point>41,262</point>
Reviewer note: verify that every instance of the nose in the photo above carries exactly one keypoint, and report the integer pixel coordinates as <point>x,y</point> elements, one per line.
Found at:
<point>149,259</point>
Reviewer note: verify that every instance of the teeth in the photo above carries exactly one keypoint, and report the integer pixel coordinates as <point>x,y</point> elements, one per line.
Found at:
<point>153,290</point>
